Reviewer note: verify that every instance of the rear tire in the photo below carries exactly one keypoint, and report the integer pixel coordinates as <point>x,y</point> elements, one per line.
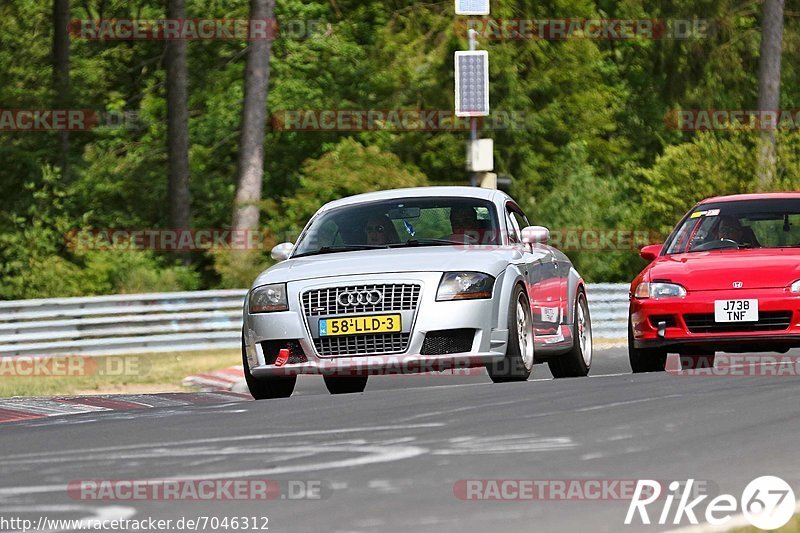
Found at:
<point>266,388</point>
<point>345,384</point>
<point>518,362</point>
<point>578,361</point>
<point>645,359</point>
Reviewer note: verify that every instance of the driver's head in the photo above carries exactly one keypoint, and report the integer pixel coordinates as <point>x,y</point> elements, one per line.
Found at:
<point>378,229</point>
<point>730,228</point>
<point>463,219</point>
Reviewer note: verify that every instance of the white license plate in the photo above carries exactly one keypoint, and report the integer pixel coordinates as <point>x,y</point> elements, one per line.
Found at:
<point>736,310</point>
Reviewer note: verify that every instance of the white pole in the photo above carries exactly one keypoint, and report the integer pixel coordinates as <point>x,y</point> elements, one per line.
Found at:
<point>473,121</point>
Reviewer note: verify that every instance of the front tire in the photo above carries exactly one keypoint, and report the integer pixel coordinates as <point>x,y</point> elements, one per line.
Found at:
<point>345,384</point>
<point>518,362</point>
<point>645,359</point>
<point>266,388</point>
<point>578,361</point>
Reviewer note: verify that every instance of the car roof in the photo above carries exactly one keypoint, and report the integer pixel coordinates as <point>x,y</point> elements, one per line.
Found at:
<point>755,196</point>
<point>416,192</point>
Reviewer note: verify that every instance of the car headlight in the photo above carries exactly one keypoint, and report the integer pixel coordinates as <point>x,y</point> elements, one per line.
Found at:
<point>659,290</point>
<point>795,286</point>
<point>464,286</point>
<point>269,298</point>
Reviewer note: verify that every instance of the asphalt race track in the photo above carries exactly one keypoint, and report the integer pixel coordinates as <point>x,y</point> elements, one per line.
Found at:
<point>389,459</point>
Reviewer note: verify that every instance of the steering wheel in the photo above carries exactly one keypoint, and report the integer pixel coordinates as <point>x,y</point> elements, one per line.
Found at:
<point>462,238</point>
<point>719,244</point>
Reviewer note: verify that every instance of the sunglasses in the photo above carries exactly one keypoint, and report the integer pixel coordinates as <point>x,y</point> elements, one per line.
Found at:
<point>375,229</point>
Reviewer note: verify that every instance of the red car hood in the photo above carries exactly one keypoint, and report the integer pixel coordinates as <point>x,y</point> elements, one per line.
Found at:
<point>717,270</point>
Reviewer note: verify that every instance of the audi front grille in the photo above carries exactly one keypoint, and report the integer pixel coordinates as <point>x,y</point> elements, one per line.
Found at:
<point>395,297</point>
<point>330,302</point>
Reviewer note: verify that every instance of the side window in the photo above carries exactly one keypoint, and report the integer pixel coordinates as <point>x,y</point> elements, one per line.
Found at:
<point>516,220</point>
<point>513,228</point>
<point>520,219</point>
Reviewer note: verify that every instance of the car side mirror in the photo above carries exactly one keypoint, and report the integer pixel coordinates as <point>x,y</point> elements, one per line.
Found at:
<point>650,252</point>
<point>280,252</point>
<point>535,235</point>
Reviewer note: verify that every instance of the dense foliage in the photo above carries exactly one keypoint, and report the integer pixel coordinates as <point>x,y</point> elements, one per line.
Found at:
<point>592,150</point>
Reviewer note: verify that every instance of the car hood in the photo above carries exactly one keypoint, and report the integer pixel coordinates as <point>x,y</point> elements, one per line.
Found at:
<point>719,269</point>
<point>491,260</point>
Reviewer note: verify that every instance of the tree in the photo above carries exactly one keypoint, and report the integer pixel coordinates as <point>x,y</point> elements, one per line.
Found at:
<point>177,125</point>
<point>61,74</point>
<point>769,85</point>
<point>254,117</point>
<point>349,168</point>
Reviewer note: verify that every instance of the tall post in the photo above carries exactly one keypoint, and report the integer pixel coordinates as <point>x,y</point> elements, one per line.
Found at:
<point>769,88</point>
<point>472,97</point>
<point>473,121</point>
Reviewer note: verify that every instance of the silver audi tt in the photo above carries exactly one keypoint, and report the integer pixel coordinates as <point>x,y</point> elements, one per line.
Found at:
<point>414,280</point>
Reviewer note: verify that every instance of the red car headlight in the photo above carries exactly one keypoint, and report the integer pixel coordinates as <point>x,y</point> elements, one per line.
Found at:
<point>659,290</point>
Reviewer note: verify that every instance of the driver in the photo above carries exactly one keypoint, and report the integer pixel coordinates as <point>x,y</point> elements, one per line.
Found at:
<point>380,230</point>
<point>731,229</point>
<point>464,221</point>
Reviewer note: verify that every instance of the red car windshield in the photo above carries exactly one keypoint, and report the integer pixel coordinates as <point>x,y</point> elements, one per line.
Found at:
<point>745,224</point>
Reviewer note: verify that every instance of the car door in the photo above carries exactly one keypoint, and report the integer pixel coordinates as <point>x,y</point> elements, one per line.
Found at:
<point>543,284</point>
<point>563,266</point>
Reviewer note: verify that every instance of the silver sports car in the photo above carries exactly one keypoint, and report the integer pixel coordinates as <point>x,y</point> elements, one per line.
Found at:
<point>415,280</point>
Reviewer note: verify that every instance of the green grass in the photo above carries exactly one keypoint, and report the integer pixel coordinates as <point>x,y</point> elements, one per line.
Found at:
<point>156,372</point>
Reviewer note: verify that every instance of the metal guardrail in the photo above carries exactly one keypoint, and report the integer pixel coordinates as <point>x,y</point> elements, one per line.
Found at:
<point>120,324</point>
<point>608,308</point>
<point>183,321</point>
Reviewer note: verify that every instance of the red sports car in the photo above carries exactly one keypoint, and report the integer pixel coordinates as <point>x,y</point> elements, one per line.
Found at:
<point>726,279</point>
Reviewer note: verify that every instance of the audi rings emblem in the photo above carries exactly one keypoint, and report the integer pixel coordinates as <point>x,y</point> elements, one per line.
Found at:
<point>362,297</point>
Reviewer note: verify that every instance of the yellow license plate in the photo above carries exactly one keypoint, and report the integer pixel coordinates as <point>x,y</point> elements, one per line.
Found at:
<point>359,325</point>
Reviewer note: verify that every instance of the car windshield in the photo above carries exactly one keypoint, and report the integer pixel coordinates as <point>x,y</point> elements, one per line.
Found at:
<point>738,225</point>
<point>400,223</point>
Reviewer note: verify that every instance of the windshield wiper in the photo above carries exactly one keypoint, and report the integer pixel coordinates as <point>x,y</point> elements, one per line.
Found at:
<point>342,248</point>
<point>425,242</point>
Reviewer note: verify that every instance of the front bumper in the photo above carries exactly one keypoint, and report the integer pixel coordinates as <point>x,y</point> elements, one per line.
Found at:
<point>379,364</point>
<point>488,345</point>
<point>646,314</point>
